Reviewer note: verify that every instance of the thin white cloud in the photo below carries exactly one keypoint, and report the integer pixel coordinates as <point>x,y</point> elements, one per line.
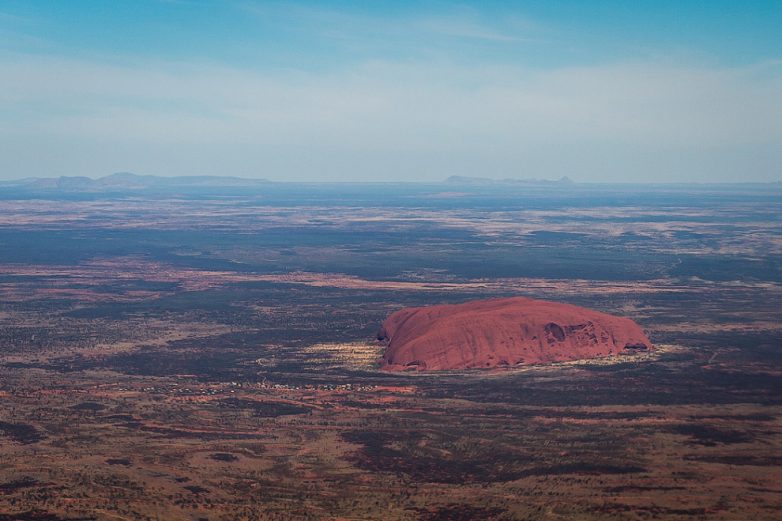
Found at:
<point>467,29</point>
<point>460,23</point>
<point>381,120</point>
<point>14,18</point>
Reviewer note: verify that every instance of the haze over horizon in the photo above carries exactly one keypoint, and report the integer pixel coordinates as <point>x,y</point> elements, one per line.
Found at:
<point>409,91</point>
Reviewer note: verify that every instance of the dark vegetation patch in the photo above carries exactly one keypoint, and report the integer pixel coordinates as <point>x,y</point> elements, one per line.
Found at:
<point>129,422</point>
<point>377,455</point>
<point>40,515</point>
<point>642,488</point>
<point>594,415</point>
<point>264,409</point>
<point>685,381</point>
<point>654,511</point>
<point>212,364</point>
<point>216,304</point>
<point>458,512</point>
<point>21,432</point>
<point>88,406</point>
<point>120,417</point>
<point>584,467</point>
<point>122,286</point>
<point>711,436</point>
<point>427,463</point>
<point>532,412</point>
<point>125,462</point>
<point>223,456</point>
<point>25,365</point>
<point>729,267</point>
<point>46,335</point>
<point>195,489</point>
<point>736,347</point>
<point>18,484</point>
<point>172,432</point>
<point>755,417</point>
<point>735,459</point>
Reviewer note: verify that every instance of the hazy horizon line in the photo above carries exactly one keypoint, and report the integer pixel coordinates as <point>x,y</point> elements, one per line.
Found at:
<point>467,180</point>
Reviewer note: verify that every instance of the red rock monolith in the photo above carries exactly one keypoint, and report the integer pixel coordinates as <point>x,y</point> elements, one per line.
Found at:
<point>503,332</point>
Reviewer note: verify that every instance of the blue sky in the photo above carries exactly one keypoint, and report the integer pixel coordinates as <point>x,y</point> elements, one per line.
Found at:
<point>378,91</point>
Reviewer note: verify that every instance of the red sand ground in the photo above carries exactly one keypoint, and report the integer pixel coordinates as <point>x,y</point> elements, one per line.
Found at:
<point>503,332</point>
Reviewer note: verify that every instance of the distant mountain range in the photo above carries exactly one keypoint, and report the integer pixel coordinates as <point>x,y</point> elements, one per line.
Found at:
<point>458,179</point>
<point>128,181</point>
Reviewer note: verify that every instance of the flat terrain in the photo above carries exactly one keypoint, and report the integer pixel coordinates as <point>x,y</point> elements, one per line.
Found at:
<point>210,356</point>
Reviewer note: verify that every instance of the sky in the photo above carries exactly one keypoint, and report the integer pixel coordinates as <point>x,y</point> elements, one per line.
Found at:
<point>599,91</point>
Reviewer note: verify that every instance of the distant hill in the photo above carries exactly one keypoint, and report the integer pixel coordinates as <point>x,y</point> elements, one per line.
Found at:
<point>129,181</point>
<point>458,179</point>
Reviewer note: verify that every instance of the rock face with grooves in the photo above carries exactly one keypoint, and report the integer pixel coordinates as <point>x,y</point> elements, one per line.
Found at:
<point>503,332</point>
